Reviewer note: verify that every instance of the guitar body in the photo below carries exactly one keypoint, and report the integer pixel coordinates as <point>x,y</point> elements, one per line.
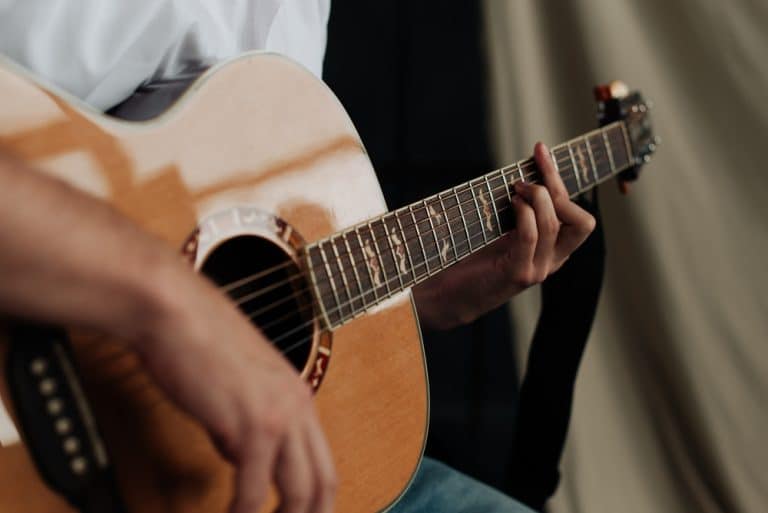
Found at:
<point>258,132</point>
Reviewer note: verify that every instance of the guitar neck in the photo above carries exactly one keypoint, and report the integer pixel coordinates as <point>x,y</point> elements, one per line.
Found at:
<point>358,268</point>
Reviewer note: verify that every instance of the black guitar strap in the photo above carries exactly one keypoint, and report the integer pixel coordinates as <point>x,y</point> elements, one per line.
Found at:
<point>569,302</point>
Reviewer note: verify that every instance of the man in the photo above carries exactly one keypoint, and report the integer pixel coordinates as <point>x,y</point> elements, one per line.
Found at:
<point>101,50</point>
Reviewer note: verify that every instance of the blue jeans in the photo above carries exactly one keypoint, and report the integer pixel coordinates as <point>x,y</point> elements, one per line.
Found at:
<point>438,488</point>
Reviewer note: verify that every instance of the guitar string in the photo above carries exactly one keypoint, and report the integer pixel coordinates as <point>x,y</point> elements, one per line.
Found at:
<point>428,229</point>
<point>521,165</point>
<point>526,166</point>
<point>137,370</point>
<point>396,279</point>
<point>596,151</point>
<point>253,277</point>
<point>349,303</point>
<point>563,169</point>
<point>426,221</point>
<point>376,240</point>
<point>568,161</point>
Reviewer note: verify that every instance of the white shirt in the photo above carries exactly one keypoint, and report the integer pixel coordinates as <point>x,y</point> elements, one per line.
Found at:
<point>101,50</point>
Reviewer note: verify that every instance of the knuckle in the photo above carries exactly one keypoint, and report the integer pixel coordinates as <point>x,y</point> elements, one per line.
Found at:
<point>270,425</point>
<point>299,498</point>
<point>528,237</point>
<point>539,191</point>
<point>526,277</point>
<point>558,196</point>
<point>330,483</point>
<point>551,226</point>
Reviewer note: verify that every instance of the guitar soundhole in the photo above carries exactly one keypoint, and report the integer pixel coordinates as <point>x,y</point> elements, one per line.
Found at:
<point>269,288</point>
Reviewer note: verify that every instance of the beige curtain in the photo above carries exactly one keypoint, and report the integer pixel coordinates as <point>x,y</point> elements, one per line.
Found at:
<point>671,413</point>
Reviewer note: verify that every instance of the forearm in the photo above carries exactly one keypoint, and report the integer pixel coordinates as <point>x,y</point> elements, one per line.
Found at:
<point>67,257</point>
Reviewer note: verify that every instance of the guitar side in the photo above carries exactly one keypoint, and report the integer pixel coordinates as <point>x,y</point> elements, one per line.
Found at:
<point>256,131</point>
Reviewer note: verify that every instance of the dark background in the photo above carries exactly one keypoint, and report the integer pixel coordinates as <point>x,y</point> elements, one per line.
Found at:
<point>413,79</point>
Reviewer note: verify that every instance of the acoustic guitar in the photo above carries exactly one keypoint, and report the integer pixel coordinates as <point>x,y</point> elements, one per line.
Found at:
<point>257,175</point>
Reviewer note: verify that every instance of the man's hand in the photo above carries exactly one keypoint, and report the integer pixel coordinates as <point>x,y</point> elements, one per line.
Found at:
<point>548,228</point>
<point>213,363</point>
<point>89,266</point>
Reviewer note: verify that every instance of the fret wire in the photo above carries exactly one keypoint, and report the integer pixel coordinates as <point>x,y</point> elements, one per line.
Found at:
<point>626,142</point>
<point>381,260</point>
<point>434,232</point>
<point>493,202</point>
<point>463,219</point>
<point>418,237</point>
<point>448,222</point>
<point>367,265</point>
<point>520,172</point>
<point>591,159</point>
<point>318,295</point>
<point>597,150</point>
<point>575,167</point>
<point>340,265</point>
<point>354,269</point>
<point>477,206</point>
<point>496,237</point>
<point>458,206</point>
<point>331,280</point>
<point>554,160</point>
<point>507,186</point>
<point>608,151</point>
<point>405,243</point>
<point>392,250</point>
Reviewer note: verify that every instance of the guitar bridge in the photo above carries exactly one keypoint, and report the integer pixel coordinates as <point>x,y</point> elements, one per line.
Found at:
<point>56,420</point>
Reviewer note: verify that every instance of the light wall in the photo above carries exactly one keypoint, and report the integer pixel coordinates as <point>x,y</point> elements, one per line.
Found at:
<point>671,412</point>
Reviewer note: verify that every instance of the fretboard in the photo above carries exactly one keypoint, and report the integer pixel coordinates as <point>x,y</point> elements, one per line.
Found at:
<point>358,268</point>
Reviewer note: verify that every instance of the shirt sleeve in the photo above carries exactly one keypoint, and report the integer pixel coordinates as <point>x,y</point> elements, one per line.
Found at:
<point>102,50</point>
<point>97,50</point>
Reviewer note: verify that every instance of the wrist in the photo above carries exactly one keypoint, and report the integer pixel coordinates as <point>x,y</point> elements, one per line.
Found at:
<point>156,288</point>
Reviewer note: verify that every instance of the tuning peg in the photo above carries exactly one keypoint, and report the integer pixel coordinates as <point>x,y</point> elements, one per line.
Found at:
<point>646,158</point>
<point>657,140</point>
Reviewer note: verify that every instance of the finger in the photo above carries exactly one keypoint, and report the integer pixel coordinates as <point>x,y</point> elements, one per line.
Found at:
<point>524,236</point>
<point>577,222</point>
<point>325,471</point>
<point>514,261</point>
<point>294,474</point>
<point>577,225</point>
<point>253,475</point>
<point>549,173</point>
<point>547,226</point>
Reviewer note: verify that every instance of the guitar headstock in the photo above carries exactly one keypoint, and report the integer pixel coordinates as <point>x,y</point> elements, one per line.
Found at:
<point>617,103</point>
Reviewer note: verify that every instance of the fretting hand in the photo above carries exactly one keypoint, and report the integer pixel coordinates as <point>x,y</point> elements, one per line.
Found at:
<point>548,228</point>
